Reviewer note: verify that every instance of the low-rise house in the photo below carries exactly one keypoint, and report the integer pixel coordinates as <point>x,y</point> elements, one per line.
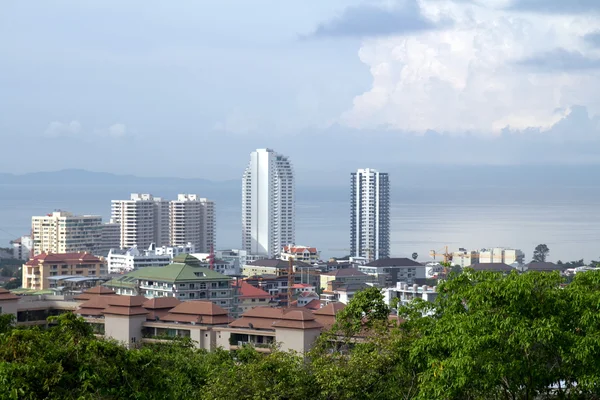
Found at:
<point>36,271</point>
<point>493,267</point>
<point>406,293</point>
<point>263,327</point>
<point>306,254</point>
<point>544,267</point>
<point>308,300</point>
<point>186,279</point>
<point>249,296</point>
<point>341,292</point>
<point>389,271</point>
<point>342,276</point>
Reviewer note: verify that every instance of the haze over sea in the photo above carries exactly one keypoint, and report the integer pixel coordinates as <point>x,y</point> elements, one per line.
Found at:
<point>424,216</point>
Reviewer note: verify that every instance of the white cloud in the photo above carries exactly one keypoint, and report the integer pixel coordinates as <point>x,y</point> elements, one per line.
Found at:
<point>74,129</point>
<point>117,130</point>
<point>58,129</point>
<point>470,76</point>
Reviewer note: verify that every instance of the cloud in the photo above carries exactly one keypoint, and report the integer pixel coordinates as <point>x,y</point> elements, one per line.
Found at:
<point>467,78</point>
<point>117,130</point>
<point>557,6</point>
<point>59,129</point>
<point>560,60</point>
<point>371,21</point>
<point>593,38</point>
<point>74,129</point>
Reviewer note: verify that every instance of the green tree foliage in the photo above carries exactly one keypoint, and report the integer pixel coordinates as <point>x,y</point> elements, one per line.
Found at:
<point>540,253</point>
<point>487,336</point>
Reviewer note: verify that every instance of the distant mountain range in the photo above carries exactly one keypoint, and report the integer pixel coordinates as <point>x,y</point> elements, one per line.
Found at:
<point>83,177</point>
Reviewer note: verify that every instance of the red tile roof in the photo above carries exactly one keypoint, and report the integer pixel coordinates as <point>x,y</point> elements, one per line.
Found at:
<point>93,292</point>
<point>301,286</point>
<point>5,295</point>
<point>298,318</point>
<point>198,311</point>
<point>62,257</point>
<point>313,304</point>
<point>299,249</point>
<point>159,303</point>
<point>247,291</point>
<point>125,305</point>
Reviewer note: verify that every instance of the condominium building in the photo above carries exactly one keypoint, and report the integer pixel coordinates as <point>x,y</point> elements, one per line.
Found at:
<point>43,268</point>
<point>22,247</point>
<point>192,220</point>
<point>143,219</point>
<point>111,238</point>
<point>121,261</point>
<point>370,214</point>
<point>186,278</point>
<point>64,232</point>
<point>267,203</point>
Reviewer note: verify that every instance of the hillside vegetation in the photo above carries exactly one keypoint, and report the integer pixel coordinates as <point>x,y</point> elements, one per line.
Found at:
<point>488,336</point>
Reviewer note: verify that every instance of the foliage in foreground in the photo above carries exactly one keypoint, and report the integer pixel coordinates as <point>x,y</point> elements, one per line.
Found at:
<point>488,336</point>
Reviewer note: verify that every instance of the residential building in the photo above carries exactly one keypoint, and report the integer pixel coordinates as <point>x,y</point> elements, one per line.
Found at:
<point>110,238</point>
<point>370,214</point>
<point>464,258</point>
<point>277,286</point>
<point>309,300</point>
<point>221,266</point>
<point>171,251</point>
<point>64,232</point>
<point>36,273</point>
<point>306,254</point>
<point>501,255</point>
<point>143,219</point>
<point>493,267</point>
<point>136,320</point>
<point>544,267</point>
<point>22,247</point>
<point>267,203</point>
<point>192,220</point>
<point>249,296</point>
<point>406,293</point>
<point>344,276</point>
<point>272,266</point>
<point>389,271</point>
<point>122,261</point>
<point>186,279</point>
<point>340,292</point>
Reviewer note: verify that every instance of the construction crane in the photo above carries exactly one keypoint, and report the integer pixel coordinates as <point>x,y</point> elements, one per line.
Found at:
<point>290,281</point>
<point>447,256</point>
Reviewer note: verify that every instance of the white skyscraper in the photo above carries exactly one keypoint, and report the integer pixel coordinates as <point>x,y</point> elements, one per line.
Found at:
<point>370,214</point>
<point>267,203</point>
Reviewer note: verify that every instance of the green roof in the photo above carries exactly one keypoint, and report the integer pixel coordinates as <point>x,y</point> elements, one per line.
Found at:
<point>191,270</point>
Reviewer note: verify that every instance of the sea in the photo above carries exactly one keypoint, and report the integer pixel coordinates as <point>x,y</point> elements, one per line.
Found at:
<point>423,218</point>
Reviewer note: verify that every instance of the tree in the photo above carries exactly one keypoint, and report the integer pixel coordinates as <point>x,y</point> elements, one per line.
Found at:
<point>415,256</point>
<point>540,253</point>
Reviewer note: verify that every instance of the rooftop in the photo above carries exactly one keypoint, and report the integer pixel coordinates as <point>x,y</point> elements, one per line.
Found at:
<point>496,267</point>
<point>277,263</point>
<point>63,257</point>
<point>340,273</point>
<point>247,291</point>
<point>394,262</point>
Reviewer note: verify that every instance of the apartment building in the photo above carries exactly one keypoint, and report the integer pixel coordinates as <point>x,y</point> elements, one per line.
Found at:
<point>64,232</point>
<point>186,278</point>
<point>111,237</point>
<point>268,208</point>
<point>192,220</point>
<point>122,261</point>
<point>249,296</point>
<point>143,219</point>
<point>22,247</point>
<point>38,272</point>
<point>369,214</point>
<point>389,271</point>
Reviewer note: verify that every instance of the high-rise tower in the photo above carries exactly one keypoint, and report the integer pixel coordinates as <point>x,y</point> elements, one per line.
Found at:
<point>267,203</point>
<point>370,214</point>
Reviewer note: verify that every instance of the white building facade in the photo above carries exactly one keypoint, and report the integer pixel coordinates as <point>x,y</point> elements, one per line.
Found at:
<point>22,247</point>
<point>143,219</point>
<point>268,209</point>
<point>370,214</point>
<point>64,232</point>
<point>192,220</point>
<point>121,261</point>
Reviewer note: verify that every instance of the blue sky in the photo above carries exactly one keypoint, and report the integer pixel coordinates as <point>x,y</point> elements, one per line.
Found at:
<point>190,88</point>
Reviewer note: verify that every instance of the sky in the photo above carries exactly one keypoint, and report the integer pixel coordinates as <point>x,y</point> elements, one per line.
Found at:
<point>190,88</point>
